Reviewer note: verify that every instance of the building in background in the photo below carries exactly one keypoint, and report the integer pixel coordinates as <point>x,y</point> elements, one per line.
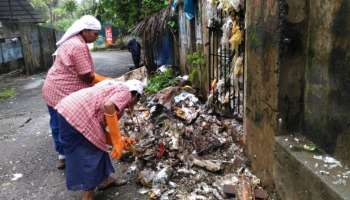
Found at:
<point>23,44</point>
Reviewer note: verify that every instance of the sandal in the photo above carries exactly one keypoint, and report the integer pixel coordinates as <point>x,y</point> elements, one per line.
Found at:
<point>61,164</point>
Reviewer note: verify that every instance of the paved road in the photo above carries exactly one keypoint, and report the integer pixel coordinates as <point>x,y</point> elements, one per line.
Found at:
<point>26,149</point>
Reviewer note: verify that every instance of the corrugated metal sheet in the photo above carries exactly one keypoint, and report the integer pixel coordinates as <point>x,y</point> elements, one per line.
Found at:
<point>18,11</point>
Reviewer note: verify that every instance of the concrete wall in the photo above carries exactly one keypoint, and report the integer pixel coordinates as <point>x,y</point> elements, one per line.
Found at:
<point>327,96</point>
<point>297,73</point>
<point>261,88</point>
<point>293,58</point>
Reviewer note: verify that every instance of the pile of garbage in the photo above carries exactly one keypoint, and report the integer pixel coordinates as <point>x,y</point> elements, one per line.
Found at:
<point>183,152</point>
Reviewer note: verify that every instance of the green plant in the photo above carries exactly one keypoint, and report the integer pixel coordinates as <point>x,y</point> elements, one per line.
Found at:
<point>160,80</point>
<point>195,60</point>
<point>70,6</point>
<point>125,14</point>
<point>7,93</point>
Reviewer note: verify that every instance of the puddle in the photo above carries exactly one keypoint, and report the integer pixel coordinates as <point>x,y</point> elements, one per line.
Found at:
<point>33,84</point>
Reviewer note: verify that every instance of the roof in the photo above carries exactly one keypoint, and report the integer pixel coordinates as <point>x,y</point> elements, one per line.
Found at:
<point>18,11</point>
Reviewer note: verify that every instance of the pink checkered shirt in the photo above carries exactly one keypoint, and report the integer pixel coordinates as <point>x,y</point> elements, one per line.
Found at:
<point>73,59</point>
<point>84,109</point>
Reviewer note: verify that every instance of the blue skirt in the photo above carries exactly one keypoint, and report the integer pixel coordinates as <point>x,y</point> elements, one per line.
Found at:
<point>86,165</point>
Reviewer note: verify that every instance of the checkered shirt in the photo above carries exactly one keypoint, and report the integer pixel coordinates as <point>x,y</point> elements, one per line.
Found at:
<point>84,109</point>
<point>73,59</point>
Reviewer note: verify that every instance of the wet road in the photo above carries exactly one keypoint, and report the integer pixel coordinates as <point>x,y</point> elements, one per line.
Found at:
<point>27,158</point>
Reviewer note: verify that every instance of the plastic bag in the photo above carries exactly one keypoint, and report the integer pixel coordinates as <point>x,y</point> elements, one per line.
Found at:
<point>227,31</point>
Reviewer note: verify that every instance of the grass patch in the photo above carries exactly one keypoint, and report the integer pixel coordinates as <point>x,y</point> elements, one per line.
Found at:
<point>7,93</point>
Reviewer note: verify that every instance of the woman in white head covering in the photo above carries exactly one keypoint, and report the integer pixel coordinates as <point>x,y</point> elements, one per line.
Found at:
<point>86,22</point>
<point>83,117</point>
<point>71,71</point>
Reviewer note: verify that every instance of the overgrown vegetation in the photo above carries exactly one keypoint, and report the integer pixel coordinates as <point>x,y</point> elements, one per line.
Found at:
<point>60,14</point>
<point>195,60</point>
<point>161,80</point>
<point>125,14</point>
<point>7,93</point>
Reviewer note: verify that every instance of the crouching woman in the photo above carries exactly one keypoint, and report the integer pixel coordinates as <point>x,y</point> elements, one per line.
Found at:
<point>83,116</point>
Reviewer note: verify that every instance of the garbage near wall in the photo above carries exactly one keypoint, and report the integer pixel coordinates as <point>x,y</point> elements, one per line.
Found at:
<point>184,152</point>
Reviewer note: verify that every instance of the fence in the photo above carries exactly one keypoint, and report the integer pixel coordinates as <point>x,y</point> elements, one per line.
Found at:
<point>221,60</point>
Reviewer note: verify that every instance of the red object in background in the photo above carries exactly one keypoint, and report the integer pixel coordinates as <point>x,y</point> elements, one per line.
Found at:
<point>161,151</point>
<point>109,34</point>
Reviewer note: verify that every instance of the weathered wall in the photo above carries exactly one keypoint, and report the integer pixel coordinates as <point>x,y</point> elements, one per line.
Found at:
<point>297,69</point>
<point>261,88</point>
<point>193,37</point>
<point>31,47</point>
<point>47,41</point>
<point>327,96</point>
<point>8,54</point>
<point>38,44</point>
<point>293,56</point>
<point>205,46</point>
<point>184,40</point>
<point>296,177</point>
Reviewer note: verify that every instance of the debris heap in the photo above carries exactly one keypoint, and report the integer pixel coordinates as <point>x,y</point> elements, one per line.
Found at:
<point>184,152</point>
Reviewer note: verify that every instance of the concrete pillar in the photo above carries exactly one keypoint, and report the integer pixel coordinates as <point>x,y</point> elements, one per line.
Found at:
<point>261,85</point>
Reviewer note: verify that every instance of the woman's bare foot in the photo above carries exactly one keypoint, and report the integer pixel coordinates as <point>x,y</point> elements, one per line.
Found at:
<point>111,182</point>
<point>88,195</point>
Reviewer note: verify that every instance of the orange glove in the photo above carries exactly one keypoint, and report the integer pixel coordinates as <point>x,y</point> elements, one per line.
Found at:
<point>98,78</point>
<point>115,138</point>
<point>114,135</point>
<point>128,142</point>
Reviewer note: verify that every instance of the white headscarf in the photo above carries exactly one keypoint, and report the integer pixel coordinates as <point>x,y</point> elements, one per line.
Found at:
<point>135,85</point>
<point>85,22</point>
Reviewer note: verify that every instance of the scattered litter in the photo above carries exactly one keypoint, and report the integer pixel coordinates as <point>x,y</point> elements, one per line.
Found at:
<point>346,173</point>
<point>322,172</point>
<point>183,151</point>
<point>16,177</point>
<point>146,177</point>
<point>309,147</point>
<point>143,191</point>
<point>317,157</point>
<point>163,68</point>
<point>339,182</point>
<point>186,96</point>
<point>329,160</point>
<point>172,184</point>
<point>165,195</point>
<point>163,176</point>
<point>186,114</point>
<point>207,164</point>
